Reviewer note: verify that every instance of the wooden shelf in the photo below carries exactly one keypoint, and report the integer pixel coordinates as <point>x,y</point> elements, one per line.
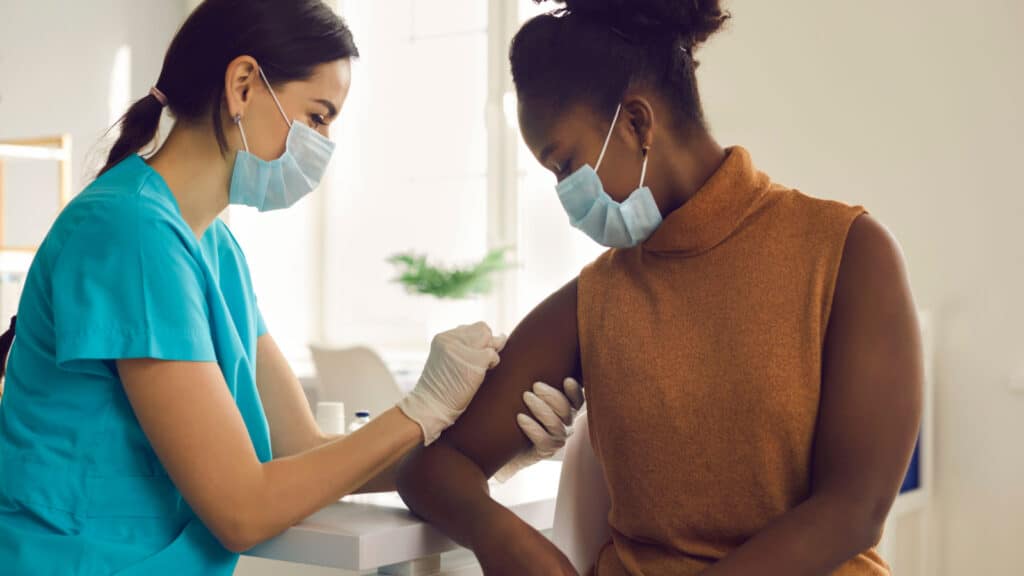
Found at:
<point>51,148</point>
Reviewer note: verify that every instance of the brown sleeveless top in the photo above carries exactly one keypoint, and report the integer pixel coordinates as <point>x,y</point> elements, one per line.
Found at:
<point>702,359</point>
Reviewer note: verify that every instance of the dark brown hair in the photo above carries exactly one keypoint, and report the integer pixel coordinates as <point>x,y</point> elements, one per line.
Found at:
<point>592,51</point>
<point>288,38</point>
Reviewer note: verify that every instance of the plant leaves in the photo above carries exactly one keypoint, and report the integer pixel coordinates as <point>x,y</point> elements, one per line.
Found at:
<point>419,276</point>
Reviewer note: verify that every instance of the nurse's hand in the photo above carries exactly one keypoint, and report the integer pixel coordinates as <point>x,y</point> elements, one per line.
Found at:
<point>458,361</point>
<point>549,424</point>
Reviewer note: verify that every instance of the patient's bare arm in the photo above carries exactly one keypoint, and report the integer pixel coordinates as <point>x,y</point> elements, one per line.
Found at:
<point>446,483</point>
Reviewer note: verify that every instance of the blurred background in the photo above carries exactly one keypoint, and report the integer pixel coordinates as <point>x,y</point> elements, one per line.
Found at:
<point>912,109</point>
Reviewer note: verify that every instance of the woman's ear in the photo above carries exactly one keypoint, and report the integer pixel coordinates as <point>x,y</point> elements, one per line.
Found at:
<point>639,117</point>
<point>239,79</point>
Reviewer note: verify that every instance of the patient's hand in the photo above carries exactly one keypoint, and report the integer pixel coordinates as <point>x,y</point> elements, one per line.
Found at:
<point>510,546</point>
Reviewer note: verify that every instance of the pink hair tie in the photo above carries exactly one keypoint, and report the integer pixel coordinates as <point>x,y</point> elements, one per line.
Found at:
<point>160,96</point>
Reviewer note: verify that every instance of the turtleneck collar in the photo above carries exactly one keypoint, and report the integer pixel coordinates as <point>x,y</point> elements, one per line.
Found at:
<point>715,211</point>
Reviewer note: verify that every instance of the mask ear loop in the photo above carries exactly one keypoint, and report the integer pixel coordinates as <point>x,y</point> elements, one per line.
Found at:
<point>608,138</point>
<point>238,122</point>
<point>643,170</point>
<point>274,96</point>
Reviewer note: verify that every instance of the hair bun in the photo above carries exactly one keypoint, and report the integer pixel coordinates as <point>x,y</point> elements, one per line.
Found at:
<point>693,21</point>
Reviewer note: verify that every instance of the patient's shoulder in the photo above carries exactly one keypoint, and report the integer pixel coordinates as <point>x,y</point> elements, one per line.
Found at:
<point>555,309</point>
<point>603,261</point>
<point>605,271</point>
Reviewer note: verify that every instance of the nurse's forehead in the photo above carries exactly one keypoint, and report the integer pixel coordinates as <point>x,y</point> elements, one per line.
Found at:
<point>335,75</point>
<point>329,81</point>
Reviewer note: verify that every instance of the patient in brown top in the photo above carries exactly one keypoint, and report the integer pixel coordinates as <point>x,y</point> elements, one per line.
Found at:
<point>752,362</point>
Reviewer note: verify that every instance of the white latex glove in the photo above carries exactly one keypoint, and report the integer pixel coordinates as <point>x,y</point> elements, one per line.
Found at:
<point>551,424</point>
<point>454,371</point>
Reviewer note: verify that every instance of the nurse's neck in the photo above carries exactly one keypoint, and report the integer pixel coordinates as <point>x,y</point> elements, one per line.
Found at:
<point>198,174</point>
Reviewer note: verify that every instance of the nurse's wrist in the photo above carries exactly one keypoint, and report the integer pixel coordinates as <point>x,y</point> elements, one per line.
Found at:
<point>432,416</point>
<point>414,428</point>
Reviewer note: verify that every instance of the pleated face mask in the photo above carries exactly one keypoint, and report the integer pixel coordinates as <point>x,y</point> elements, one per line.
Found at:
<point>280,183</point>
<point>598,215</point>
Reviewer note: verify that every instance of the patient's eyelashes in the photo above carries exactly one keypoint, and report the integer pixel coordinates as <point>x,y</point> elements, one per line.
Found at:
<point>562,170</point>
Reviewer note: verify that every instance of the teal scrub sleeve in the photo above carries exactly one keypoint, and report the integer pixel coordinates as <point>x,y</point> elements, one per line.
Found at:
<point>129,285</point>
<point>261,326</point>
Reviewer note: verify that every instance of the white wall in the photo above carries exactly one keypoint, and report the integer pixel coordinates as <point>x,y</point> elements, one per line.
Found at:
<point>57,67</point>
<point>410,173</point>
<point>912,109</point>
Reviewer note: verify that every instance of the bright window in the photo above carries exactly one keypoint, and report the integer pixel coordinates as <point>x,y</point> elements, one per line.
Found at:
<point>428,160</point>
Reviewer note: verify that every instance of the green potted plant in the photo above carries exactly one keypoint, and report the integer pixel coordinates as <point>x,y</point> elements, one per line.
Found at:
<point>454,287</point>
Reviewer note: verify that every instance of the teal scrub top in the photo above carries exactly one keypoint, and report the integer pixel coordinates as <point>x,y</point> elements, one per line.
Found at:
<point>120,275</point>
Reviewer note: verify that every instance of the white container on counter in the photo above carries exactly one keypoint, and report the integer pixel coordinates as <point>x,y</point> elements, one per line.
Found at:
<point>330,417</point>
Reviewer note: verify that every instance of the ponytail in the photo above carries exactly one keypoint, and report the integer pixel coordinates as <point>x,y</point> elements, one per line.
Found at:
<point>288,39</point>
<point>139,126</point>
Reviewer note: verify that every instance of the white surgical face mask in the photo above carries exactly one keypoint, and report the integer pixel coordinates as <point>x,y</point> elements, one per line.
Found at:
<point>598,215</point>
<point>280,183</point>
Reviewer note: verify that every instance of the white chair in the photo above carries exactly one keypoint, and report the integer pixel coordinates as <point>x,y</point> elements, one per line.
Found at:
<point>358,377</point>
<point>581,526</point>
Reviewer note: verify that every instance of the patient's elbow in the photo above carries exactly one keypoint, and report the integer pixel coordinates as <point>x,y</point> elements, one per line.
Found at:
<point>874,535</point>
<point>867,521</point>
<point>408,481</point>
<point>874,524</point>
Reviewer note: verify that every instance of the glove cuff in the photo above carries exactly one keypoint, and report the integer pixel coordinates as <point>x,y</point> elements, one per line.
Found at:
<point>432,418</point>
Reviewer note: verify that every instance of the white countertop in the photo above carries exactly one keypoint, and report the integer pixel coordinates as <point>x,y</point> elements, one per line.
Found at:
<point>367,532</point>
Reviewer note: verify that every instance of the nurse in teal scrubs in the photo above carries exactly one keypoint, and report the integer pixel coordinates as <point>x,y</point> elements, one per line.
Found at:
<point>149,423</point>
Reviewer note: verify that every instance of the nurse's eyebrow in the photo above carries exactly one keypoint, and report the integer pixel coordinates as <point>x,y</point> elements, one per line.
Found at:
<point>332,110</point>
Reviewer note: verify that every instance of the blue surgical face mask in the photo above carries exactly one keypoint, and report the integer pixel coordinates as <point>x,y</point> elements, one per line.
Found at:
<point>598,215</point>
<point>280,183</point>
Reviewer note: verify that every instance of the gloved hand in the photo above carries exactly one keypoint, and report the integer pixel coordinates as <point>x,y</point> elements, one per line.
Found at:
<point>454,371</point>
<point>550,426</point>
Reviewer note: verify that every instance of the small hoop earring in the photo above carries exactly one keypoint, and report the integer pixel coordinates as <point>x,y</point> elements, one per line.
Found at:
<point>241,131</point>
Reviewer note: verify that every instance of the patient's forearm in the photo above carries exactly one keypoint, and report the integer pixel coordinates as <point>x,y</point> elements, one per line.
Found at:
<point>460,505</point>
<point>813,538</point>
<point>446,483</point>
